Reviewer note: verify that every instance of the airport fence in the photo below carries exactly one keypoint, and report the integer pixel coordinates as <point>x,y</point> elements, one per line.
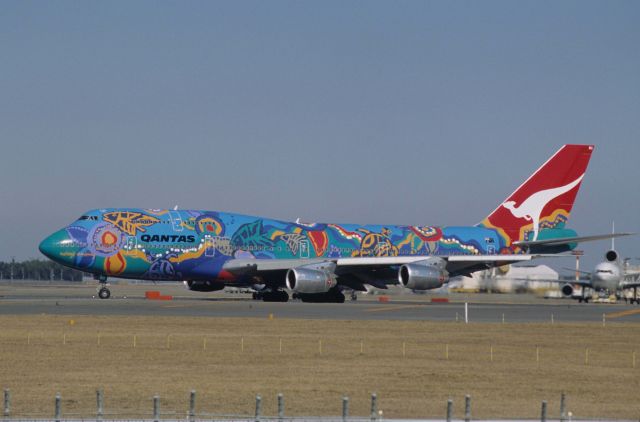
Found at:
<point>31,348</point>
<point>156,414</point>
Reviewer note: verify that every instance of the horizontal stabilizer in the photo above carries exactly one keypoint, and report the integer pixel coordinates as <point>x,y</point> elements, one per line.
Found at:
<point>567,240</point>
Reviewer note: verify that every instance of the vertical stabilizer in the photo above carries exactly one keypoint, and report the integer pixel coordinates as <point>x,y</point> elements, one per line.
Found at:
<point>545,199</point>
<point>613,239</point>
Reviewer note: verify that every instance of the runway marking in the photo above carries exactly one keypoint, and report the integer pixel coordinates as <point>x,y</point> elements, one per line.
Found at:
<point>190,305</point>
<point>623,313</point>
<point>201,304</point>
<point>393,308</point>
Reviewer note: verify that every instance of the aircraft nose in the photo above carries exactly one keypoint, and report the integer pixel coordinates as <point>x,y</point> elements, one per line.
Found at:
<point>53,245</point>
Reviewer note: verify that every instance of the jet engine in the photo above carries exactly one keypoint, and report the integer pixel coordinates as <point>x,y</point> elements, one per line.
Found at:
<point>203,286</point>
<point>423,275</point>
<point>567,289</point>
<point>316,278</point>
<point>611,256</point>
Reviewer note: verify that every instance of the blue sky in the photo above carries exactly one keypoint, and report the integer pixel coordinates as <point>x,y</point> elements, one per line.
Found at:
<point>375,112</point>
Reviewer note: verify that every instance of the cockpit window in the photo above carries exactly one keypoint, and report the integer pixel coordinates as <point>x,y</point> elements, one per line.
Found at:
<point>89,217</point>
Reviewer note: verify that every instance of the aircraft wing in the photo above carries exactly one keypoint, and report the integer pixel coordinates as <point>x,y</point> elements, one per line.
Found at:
<point>376,271</point>
<point>583,283</point>
<point>629,285</point>
<point>631,273</point>
<point>631,279</point>
<point>573,270</point>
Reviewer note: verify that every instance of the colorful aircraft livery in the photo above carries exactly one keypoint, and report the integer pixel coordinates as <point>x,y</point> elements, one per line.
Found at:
<point>209,250</point>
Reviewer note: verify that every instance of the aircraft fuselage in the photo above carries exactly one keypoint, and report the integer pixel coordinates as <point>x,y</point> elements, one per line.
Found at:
<point>194,245</point>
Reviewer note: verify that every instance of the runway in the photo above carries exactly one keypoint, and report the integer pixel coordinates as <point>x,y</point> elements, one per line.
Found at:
<point>33,299</point>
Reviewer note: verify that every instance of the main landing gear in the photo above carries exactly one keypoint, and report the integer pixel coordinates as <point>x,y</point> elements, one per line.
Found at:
<point>586,295</point>
<point>635,298</point>
<point>103,290</point>
<point>332,296</point>
<point>271,296</point>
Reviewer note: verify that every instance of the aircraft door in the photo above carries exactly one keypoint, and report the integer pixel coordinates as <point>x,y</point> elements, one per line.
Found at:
<point>491,245</point>
<point>132,242</point>
<point>304,248</point>
<point>176,221</point>
<point>210,246</point>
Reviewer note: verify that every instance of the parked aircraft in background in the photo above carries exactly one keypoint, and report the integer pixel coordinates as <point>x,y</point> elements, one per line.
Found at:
<point>612,276</point>
<point>209,250</point>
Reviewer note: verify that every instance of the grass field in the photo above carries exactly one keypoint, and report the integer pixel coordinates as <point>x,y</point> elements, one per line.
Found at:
<point>414,367</point>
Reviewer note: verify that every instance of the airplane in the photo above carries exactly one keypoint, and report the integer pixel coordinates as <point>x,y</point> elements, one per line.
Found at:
<point>612,276</point>
<point>209,250</point>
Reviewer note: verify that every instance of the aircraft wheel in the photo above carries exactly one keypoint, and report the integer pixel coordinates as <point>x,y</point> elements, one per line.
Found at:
<point>104,293</point>
<point>268,297</point>
<point>579,300</point>
<point>279,296</point>
<point>586,300</point>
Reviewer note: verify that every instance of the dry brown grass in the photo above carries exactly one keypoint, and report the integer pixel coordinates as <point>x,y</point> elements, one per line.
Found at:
<point>35,364</point>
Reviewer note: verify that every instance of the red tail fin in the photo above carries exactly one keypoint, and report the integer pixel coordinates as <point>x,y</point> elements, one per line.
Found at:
<point>545,199</point>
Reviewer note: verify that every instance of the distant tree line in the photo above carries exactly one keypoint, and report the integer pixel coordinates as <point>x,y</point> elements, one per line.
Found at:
<point>37,269</point>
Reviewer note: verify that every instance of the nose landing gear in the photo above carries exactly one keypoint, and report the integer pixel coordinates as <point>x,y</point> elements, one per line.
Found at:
<point>103,290</point>
<point>104,293</point>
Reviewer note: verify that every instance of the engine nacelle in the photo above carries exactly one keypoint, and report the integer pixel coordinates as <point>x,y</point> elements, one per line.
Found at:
<point>611,256</point>
<point>567,290</point>
<point>423,275</point>
<point>311,279</point>
<point>203,286</point>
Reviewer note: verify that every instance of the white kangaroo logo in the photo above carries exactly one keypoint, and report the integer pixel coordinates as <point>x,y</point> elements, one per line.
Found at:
<point>531,208</point>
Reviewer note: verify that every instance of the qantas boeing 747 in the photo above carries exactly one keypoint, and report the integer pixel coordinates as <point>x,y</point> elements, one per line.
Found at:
<point>209,250</point>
